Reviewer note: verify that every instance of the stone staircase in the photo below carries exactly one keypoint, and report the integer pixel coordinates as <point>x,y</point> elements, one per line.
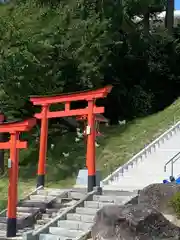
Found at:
<point>69,214</point>
<point>38,209</point>
<point>76,223</point>
<point>147,166</point>
<point>63,200</point>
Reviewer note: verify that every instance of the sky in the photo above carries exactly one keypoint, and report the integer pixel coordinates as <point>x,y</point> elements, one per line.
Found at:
<point>177,4</point>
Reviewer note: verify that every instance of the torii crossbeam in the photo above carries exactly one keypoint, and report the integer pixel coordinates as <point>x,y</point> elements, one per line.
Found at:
<point>14,145</point>
<point>90,111</point>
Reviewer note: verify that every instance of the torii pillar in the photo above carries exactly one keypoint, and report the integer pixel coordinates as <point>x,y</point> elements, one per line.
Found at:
<point>14,144</point>
<point>46,101</point>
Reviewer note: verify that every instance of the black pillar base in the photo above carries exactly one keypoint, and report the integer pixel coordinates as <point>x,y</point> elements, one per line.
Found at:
<point>11,227</point>
<point>40,180</point>
<point>91,182</point>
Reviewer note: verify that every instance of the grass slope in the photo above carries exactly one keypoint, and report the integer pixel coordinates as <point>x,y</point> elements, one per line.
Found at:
<point>118,145</point>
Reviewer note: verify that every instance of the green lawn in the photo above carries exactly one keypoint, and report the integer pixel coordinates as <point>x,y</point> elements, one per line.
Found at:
<point>118,145</point>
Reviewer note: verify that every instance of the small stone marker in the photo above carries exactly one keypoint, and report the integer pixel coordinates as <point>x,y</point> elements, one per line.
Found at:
<point>82,178</point>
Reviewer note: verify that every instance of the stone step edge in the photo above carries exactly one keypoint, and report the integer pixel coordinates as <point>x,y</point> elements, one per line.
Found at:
<point>26,198</point>
<point>157,141</point>
<point>3,212</point>
<point>32,235</point>
<point>14,238</point>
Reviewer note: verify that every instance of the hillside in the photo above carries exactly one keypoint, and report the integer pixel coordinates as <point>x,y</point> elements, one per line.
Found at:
<point>72,46</point>
<point>118,144</point>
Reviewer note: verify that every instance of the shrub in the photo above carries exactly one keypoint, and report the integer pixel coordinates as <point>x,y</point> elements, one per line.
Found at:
<point>175,203</point>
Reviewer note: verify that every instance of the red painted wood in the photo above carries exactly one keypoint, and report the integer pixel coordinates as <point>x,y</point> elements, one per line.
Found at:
<point>90,111</point>
<point>2,117</point>
<point>43,142</point>
<point>19,145</point>
<point>75,112</point>
<point>22,126</point>
<point>70,97</point>
<point>97,118</point>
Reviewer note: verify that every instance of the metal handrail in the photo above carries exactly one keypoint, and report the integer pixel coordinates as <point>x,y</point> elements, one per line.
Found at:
<point>172,161</point>
<point>148,148</point>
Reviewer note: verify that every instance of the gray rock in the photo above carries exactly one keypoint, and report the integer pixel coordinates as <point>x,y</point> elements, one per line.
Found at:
<point>159,196</point>
<point>132,222</point>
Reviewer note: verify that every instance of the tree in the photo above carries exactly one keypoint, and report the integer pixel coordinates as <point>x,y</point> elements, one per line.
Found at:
<point>169,19</point>
<point>144,9</point>
<point>77,45</point>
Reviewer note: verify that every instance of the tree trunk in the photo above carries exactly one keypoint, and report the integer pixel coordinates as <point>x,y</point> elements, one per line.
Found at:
<point>146,23</point>
<point>169,19</point>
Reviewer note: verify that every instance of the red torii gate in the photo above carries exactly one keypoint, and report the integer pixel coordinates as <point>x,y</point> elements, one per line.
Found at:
<point>14,144</point>
<point>98,119</point>
<point>90,111</point>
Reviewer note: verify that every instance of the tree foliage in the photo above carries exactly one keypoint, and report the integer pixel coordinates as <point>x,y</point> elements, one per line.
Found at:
<point>62,46</point>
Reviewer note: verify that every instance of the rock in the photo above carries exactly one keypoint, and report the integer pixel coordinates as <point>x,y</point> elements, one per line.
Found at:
<point>159,196</point>
<point>132,222</point>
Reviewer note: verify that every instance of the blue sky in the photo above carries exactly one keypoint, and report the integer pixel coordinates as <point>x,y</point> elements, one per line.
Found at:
<point>177,4</point>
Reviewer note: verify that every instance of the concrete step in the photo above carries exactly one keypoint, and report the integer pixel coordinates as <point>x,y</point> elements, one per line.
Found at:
<point>86,211</point>
<point>142,165</point>
<point>63,200</point>
<point>154,171</point>
<point>37,226</point>
<point>23,214</point>
<point>97,205</point>
<point>74,225</point>
<point>37,204</point>
<point>136,173</point>
<point>2,234</point>
<point>60,210</point>
<point>52,192</point>
<point>120,187</point>
<point>76,195</point>
<point>133,179</point>
<point>54,237</point>
<point>46,215</point>
<point>28,209</point>
<point>117,193</point>
<point>3,226</point>
<point>55,214</point>
<point>22,222</point>
<point>43,221</point>
<point>78,217</point>
<point>21,231</point>
<point>79,189</point>
<point>137,183</point>
<point>65,232</point>
<point>42,198</point>
<point>70,203</point>
<point>56,205</point>
<point>132,188</point>
<point>159,176</point>
<point>63,204</point>
<point>110,199</point>
<point>51,210</point>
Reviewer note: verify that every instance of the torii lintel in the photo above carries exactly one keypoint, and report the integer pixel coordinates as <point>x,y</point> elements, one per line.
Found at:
<point>17,126</point>
<point>70,97</point>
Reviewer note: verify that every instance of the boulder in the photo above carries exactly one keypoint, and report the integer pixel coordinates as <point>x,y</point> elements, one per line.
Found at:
<point>132,222</point>
<point>159,196</point>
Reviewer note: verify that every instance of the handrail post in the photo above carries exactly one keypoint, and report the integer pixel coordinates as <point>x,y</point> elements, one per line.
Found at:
<point>174,159</point>
<point>172,170</point>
